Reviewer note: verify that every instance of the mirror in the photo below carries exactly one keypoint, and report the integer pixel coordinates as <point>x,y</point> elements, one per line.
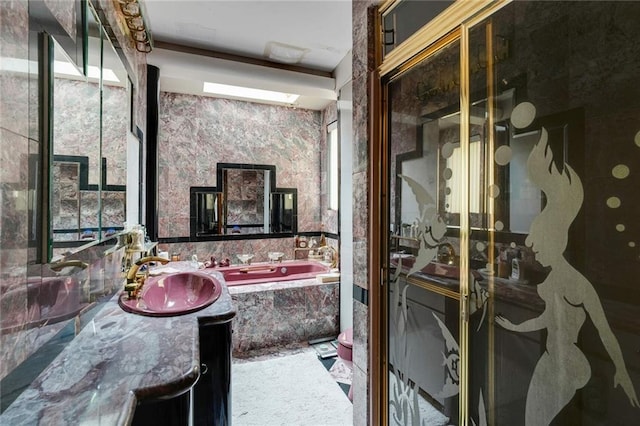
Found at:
<point>246,202</point>
<point>244,192</point>
<point>116,99</point>
<point>437,163</point>
<point>90,125</point>
<point>208,208</point>
<point>75,168</point>
<point>283,212</point>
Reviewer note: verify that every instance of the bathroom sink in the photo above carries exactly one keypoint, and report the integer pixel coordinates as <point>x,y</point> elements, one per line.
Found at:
<point>174,294</point>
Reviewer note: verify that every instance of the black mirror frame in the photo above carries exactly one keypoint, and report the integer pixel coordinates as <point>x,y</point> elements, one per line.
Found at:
<point>220,169</point>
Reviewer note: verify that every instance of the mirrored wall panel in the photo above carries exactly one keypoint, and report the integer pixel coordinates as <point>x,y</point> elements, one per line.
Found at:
<point>90,124</point>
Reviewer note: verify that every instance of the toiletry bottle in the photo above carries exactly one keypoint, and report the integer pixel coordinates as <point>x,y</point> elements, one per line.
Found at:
<point>503,264</point>
<point>323,240</point>
<point>516,270</point>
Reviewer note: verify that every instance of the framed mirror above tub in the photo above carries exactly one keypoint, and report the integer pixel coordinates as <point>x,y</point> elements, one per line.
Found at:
<point>246,204</point>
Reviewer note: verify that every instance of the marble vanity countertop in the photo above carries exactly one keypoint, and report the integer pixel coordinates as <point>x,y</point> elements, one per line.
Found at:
<point>118,359</point>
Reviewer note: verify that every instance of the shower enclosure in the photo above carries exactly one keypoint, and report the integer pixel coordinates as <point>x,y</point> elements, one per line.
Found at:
<point>510,240</point>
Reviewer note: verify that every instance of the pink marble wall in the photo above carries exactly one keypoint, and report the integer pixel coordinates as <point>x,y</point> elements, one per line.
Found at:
<point>363,63</point>
<point>14,151</point>
<point>65,13</point>
<point>18,140</point>
<point>197,132</point>
<point>115,124</point>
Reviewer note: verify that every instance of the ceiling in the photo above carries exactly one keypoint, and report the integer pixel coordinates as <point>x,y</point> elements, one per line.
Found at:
<point>293,45</point>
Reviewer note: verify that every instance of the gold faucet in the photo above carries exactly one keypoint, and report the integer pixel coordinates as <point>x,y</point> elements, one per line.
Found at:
<point>448,255</point>
<point>335,257</point>
<point>135,281</point>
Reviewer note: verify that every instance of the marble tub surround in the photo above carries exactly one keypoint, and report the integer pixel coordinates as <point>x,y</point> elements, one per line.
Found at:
<point>283,314</point>
<point>116,361</point>
<point>230,248</point>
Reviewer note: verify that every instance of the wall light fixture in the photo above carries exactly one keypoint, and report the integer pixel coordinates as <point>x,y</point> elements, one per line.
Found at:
<point>138,29</point>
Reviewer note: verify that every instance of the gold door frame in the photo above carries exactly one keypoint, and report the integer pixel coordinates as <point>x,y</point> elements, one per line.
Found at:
<point>454,23</point>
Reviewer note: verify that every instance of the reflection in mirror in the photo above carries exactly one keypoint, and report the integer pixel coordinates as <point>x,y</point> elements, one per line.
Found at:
<point>115,127</point>
<point>438,163</point>
<point>453,171</point>
<point>525,199</point>
<point>90,126</point>
<point>209,206</point>
<point>244,193</point>
<point>283,211</point>
<point>75,169</point>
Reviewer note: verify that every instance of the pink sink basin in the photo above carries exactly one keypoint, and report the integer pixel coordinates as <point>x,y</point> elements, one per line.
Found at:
<point>175,294</point>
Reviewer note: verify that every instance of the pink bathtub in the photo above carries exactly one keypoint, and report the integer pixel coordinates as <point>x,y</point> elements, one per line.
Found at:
<point>272,272</point>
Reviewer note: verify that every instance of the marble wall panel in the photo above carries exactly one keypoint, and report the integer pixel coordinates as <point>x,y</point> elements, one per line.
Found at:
<point>115,123</point>
<point>253,309</point>
<point>230,248</point>
<point>283,314</point>
<point>360,386</point>
<point>113,208</point>
<point>322,310</point>
<point>197,132</point>
<point>65,13</point>
<point>76,122</point>
<point>14,150</point>
<point>89,209</point>
<point>14,74</point>
<point>14,104</point>
<point>363,13</point>
<point>13,197</point>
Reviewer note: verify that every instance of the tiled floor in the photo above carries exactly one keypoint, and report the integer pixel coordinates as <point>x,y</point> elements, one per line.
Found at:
<point>341,370</point>
<point>291,388</point>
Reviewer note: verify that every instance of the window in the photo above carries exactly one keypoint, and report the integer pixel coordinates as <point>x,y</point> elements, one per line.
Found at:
<point>333,165</point>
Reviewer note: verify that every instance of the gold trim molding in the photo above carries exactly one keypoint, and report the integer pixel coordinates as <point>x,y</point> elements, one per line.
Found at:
<point>449,20</point>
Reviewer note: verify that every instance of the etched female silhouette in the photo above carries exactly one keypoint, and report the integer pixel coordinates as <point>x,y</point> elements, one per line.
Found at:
<point>569,297</point>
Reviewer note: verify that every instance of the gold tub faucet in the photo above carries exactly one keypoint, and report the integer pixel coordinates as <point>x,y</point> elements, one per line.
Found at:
<point>135,281</point>
<point>335,257</point>
<point>447,253</point>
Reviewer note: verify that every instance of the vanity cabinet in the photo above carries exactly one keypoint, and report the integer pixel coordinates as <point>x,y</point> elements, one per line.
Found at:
<point>164,412</point>
<point>212,391</point>
<point>208,402</point>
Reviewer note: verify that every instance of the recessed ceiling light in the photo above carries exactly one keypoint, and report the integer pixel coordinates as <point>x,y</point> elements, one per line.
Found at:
<point>249,93</point>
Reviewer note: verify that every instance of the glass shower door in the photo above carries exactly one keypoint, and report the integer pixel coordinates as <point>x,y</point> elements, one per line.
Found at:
<point>423,296</point>
<point>513,248</point>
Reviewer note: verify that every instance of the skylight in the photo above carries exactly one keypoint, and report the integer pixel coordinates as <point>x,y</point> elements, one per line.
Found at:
<point>249,93</point>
